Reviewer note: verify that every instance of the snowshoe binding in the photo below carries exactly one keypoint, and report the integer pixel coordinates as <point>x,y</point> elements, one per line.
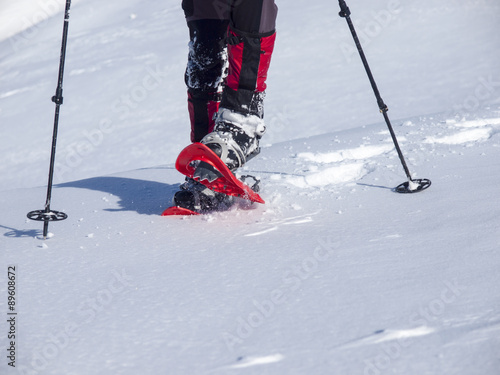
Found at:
<point>196,197</point>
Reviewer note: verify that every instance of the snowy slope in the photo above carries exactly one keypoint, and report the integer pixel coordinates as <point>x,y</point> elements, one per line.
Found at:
<point>125,105</point>
<point>336,274</point>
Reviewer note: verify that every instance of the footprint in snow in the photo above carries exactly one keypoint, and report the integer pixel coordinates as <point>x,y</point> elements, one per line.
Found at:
<point>254,361</point>
<point>384,335</point>
<point>244,362</point>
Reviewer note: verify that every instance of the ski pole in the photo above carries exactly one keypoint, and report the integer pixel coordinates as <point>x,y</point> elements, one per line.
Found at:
<point>410,186</point>
<point>46,215</point>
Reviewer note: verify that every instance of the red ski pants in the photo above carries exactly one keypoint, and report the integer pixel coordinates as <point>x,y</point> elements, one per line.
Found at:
<point>246,30</point>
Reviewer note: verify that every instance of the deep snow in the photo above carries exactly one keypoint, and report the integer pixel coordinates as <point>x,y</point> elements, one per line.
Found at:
<point>336,274</point>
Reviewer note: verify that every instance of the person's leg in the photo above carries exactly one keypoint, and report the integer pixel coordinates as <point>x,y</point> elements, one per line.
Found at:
<point>250,46</point>
<point>207,21</point>
<point>239,124</point>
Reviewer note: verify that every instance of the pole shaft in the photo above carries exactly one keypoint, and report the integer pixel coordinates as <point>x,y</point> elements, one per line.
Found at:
<point>396,144</point>
<point>345,13</point>
<point>58,100</point>
<point>63,47</point>
<point>380,101</point>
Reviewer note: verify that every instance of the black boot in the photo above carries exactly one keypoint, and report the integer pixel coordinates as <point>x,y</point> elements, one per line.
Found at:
<point>196,197</point>
<point>235,138</point>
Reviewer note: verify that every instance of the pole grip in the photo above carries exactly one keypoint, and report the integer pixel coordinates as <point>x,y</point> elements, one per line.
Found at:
<point>344,9</point>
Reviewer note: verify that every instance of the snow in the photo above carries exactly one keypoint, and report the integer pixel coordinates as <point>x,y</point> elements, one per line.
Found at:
<point>477,131</point>
<point>336,273</point>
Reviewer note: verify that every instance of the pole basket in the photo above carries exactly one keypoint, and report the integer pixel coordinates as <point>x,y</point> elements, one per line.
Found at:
<point>413,186</point>
<point>43,215</point>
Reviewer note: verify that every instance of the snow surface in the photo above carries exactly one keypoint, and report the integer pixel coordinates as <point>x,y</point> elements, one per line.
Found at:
<point>335,274</point>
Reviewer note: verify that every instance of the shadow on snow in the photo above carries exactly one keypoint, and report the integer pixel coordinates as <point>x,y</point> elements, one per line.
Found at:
<point>141,196</point>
